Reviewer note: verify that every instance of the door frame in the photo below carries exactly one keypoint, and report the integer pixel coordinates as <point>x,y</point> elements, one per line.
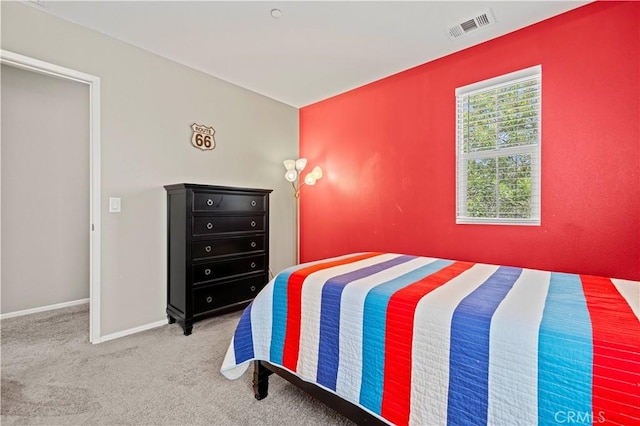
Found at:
<point>30,64</point>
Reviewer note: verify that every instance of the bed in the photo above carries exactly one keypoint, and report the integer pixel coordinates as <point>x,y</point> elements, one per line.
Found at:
<point>399,339</point>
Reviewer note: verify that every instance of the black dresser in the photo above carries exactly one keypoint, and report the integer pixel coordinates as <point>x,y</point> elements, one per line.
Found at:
<point>218,250</point>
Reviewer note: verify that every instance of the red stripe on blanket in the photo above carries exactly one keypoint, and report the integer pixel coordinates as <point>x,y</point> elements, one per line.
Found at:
<point>616,352</point>
<point>294,306</point>
<point>396,394</point>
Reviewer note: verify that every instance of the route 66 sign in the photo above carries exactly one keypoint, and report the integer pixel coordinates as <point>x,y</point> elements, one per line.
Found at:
<point>203,137</point>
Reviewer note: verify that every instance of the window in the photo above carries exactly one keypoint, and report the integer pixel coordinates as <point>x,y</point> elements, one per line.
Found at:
<point>498,149</point>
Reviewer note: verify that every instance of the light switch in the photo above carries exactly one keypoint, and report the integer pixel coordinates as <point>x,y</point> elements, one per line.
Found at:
<point>114,204</point>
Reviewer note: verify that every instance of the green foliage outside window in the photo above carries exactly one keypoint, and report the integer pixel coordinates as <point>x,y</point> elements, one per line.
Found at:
<point>500,130</point>
<point>499,187</point>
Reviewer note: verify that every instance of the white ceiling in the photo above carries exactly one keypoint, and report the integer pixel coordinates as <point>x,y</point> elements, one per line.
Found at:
<point>314,51</point>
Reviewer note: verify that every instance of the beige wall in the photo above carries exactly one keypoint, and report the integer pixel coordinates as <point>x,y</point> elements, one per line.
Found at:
<point>147,106</point>
<point>45,196</point>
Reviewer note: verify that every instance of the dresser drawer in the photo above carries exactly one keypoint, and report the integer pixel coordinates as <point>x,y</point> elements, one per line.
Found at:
<point>211,225</point>
<point>226,246</point>
<point>220,295</point>
<point>216,202</point>
<point>224,269</point>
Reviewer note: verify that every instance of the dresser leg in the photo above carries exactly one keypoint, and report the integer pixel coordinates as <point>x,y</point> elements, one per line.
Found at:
<point>171,319</point>
<point>188,327</point>
<point>260,380</point>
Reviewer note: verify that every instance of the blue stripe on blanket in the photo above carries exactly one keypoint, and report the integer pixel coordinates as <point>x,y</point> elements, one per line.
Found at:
<point>243,338</point>
<point>565,352</point>
<point>469,349</point>
<point>374,327</point>
<point>329,343</point>
<point>279,326</point>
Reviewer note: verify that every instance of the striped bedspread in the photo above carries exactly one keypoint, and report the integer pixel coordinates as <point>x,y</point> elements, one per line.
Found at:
<point>424,341</point>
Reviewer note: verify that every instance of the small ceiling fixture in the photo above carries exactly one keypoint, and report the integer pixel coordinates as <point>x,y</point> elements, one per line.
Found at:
<point>276,13</point>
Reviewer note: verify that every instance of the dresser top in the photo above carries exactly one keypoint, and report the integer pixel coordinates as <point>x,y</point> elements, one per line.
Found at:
<point>180,186</point>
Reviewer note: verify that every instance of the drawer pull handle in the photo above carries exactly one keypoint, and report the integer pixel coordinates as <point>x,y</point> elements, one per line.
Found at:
<point>253,244</point>
<point>207,249</point>
<point>253,265</point>
<point>209,202</point>
<point>253,288</point>
<point>209,299</point>
<point>207,271</point>
<point>253,203</point>
<point>253,223</point>
<point>209,225</point>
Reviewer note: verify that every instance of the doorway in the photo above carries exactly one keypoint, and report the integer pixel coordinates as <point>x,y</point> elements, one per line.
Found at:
<point>36,202</point>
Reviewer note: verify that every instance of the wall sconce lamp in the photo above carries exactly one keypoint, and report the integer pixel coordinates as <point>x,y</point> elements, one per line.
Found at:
<point>294,169</point>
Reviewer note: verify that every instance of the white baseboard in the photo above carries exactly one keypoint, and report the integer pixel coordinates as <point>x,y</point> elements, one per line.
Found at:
<point>43,308</point>
<point>131,331</point>
<point>80,302</point>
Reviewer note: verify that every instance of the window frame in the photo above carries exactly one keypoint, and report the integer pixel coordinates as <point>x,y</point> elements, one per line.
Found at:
<point>533,149</point>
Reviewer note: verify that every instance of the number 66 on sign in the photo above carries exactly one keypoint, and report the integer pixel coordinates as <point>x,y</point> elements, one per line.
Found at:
<point>203,137</point>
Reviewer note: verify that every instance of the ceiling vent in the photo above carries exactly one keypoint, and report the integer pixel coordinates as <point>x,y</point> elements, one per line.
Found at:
<point>469,25</point>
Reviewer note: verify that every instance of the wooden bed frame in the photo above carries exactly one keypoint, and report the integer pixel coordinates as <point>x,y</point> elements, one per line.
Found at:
<point>262,371</point>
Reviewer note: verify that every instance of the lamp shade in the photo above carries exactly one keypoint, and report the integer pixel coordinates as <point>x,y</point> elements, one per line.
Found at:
<point>301,163</point>
<point>309,179</point>
<point>289,164</point>
<point>316,172</point>
<point>291,175</point>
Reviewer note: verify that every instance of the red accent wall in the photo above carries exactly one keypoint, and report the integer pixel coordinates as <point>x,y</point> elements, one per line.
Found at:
<point>388,153</point>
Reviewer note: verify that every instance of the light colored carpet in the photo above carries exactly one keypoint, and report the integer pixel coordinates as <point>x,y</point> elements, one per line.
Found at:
<point>52,375</point>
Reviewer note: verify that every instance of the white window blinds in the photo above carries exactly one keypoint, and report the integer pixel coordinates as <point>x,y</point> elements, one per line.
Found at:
<point>498,149</point>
